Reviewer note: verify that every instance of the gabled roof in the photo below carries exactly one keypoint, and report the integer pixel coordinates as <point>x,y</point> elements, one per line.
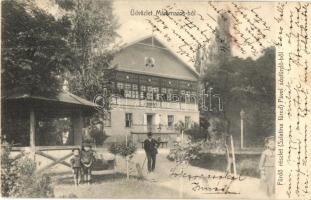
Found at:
<point>131,58</point>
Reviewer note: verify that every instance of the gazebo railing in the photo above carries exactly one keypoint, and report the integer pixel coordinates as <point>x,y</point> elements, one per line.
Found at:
<point>47,157</point>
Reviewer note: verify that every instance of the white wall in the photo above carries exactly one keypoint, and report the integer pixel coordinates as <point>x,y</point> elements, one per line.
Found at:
<point>140,122</point>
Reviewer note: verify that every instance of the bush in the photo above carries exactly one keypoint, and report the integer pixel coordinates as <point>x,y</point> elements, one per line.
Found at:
<point>18,178</point>
<point>97,134</point>
<point>126,150</point>
<point>8,172</point>
<point>122,149</point>
<point>186,152</point>
<point>196,133</point>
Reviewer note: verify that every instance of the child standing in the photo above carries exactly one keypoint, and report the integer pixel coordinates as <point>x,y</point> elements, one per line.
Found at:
<point>87,160</point>
<point>76,165</point>
<point>267,167</point>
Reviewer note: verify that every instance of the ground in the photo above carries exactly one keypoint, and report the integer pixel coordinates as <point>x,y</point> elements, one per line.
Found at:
<point>160,184</point>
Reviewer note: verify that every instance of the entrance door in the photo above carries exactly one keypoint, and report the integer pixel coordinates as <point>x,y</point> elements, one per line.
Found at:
<point>149,122</point>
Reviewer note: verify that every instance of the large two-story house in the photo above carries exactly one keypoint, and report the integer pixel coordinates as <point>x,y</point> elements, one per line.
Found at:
<point>153,90</point>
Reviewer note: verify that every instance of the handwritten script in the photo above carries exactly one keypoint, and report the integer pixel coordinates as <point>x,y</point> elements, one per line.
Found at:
<point>248,30</point>
<point>293,100</point>
<point>207,183</point>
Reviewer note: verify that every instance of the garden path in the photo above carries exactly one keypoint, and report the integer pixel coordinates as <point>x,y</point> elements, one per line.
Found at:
<point>247,187</point>
<point>161,184</point>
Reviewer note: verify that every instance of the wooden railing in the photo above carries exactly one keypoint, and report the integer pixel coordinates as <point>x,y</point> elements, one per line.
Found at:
<point>142,128</point>
<point>47,157</point>
<point>116,101</point>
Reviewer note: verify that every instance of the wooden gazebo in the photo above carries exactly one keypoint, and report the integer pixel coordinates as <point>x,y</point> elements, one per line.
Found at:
<point>46,127</point>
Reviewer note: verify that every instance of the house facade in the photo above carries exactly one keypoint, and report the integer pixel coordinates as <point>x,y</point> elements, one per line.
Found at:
<point>152,90</point>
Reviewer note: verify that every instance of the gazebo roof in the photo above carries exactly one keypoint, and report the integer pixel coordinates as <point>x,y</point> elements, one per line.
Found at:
<point>63,97</point>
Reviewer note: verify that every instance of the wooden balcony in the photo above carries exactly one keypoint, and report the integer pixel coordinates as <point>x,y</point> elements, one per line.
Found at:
<point>158,129</point>
<point>126,102</point>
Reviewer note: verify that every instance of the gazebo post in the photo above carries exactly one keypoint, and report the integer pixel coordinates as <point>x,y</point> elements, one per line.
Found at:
<point>77,127</point>
<point>32,121</point>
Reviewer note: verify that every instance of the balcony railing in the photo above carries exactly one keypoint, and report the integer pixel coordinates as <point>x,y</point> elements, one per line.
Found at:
<point>154,128</point>
<point>116,101</point>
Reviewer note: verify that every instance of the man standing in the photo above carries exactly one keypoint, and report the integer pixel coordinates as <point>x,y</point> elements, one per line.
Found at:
<point>151,149</point>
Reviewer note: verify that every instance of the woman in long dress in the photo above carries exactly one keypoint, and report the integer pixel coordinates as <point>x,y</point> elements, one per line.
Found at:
<point>267,167</point>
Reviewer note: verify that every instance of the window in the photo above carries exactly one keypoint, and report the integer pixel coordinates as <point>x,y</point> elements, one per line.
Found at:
<point>163,94</point>
<point>187,121</point>
<point>135,87</point>
<point>54,131</point>
<point>128,91</point>
<point>156,93</point>
<point>135,91</point>
<point>170,121</point>
<point>149,93</point>
<point>120,87</point>
<point>15,127</point>
<point>143,93</point>
<point>107,119</point>
<point>182,95</point>
<point>128,120</point>
<point>187,97</point>
<point>193,97</point>
<point>169,94</point>
<point>128,86</point>
<point>175,95</point>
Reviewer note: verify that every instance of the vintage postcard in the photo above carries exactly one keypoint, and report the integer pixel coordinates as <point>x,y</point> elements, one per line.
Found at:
<point>155,99</point>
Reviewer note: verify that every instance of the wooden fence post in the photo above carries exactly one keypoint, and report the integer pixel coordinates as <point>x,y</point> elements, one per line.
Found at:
<point>32,121</point>
<point>233,156</point>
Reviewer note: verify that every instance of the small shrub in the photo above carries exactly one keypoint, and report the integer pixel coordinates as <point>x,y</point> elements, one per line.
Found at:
<point>126,151</point>
<point>196,133</point>
<point>186,152</point>
<point>18,178</point>
<point>122,149</point>
<point>8,172</point>
<point>97,134</point>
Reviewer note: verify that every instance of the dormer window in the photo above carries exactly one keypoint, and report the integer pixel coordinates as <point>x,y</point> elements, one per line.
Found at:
<point>149,62</point>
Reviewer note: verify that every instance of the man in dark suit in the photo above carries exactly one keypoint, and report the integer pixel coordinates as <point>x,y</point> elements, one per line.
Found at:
<point>151,149</point>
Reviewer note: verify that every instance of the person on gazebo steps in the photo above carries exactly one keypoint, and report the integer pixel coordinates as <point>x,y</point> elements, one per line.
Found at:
<point>87,160</point>
<point>76,166</point>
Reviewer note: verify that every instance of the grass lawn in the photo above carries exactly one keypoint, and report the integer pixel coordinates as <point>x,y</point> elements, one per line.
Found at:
<point>113,186</point>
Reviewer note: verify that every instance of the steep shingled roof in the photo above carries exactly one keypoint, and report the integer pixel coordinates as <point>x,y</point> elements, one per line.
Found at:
<point>131,58</point>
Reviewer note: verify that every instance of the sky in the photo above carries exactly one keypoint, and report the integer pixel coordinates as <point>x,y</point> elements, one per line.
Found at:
<point>202,14</point>
<point>135,27</point>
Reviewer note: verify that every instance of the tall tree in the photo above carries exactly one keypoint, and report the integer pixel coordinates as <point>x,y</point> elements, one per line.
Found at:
<point>35,49</point>
<point>93,33</point>
<point>241,83</point>
<point>247,84</point>
<point>219,50</point>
